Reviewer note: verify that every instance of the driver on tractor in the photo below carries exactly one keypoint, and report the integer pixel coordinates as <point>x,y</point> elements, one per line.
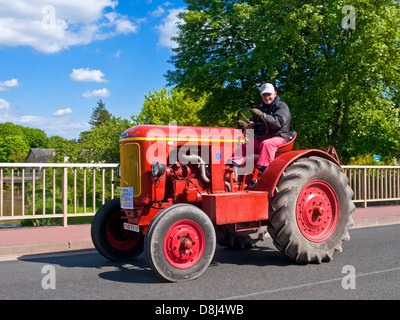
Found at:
<point>275,128</point>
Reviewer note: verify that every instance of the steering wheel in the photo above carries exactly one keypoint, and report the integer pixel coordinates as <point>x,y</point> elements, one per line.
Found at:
<point>245,114</point>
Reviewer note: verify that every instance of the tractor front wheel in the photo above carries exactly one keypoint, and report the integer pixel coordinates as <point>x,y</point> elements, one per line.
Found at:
<point>180,243</point>
<point>110,238</point>
<point>311,210</point>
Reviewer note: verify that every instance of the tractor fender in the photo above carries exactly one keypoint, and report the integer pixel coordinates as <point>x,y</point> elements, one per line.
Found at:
<point>270,177</point>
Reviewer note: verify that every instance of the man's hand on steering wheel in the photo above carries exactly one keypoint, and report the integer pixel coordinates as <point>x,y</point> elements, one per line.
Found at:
<point>242,124</point>
<point>257,113</point>
<point>243,121</point>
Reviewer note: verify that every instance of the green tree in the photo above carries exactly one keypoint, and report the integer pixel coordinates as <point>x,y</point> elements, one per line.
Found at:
<point>161,107</point>
<point>339,80</point>
<point>99,114</point>
<point>65,149</point>
<point>17,140</point>
<point>35,138</point>
<point>101,143</point>
<point>13,148</point>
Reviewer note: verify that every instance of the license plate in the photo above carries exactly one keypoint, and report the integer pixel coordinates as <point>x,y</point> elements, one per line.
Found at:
<point>131,227</point>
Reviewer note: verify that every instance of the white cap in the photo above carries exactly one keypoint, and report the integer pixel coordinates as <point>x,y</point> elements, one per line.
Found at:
<point>267,88</point>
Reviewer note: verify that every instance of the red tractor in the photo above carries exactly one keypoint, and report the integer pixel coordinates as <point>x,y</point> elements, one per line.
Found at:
<point>179,197</point>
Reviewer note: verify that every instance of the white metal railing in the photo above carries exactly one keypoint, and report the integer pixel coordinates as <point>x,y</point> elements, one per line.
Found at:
<point>374,183</point>
<point>54,190</point>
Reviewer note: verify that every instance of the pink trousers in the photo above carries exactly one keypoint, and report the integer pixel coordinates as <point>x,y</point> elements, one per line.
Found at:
<point>266,150</point>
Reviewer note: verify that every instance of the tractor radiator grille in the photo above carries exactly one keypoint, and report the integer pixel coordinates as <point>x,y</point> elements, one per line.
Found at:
<point>130,167</point>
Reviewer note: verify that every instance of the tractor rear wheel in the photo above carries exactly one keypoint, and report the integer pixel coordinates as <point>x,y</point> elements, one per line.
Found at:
<point>110,238</point>
<point>310,213</point>
<point>180,243</point>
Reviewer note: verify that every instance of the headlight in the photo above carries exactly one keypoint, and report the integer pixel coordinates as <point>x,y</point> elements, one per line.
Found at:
<point>157,169</point>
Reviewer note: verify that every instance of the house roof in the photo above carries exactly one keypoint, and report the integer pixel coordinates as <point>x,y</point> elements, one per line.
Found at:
<point>36,155</point>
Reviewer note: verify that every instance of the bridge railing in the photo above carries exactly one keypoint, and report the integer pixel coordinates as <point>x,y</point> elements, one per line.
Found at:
<point>374,183</point>
<point>54,190</point>
<point>59,190</point>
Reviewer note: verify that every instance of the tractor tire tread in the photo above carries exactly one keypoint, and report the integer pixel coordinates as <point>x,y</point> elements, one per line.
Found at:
<point>282,227</point>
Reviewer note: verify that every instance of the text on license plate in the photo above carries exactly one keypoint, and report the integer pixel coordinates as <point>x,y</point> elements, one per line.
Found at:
<point>131,227</point>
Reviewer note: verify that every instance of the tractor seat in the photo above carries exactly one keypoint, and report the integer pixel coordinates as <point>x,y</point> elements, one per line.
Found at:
<point>287,146</point>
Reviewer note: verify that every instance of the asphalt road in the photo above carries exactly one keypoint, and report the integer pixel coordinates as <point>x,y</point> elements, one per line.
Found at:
<point>368,268</point>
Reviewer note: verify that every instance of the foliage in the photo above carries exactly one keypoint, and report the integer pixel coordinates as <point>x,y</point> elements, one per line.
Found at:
<point>14,148</point>
<point>101,143</point>
<point>161,107</point>
<point>100,114</point>
<point>369,160</point>
<point>340,83</point>
<point>65,149</point>
<point>16,141</point>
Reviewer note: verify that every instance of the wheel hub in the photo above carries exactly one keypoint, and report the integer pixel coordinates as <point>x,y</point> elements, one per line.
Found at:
<point>317,211</point>
<point>184,244</point>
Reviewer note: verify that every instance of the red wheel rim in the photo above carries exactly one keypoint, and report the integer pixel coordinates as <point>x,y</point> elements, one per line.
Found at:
<point>184,244</point>
<point>117,236</point>
<point>317,211</point>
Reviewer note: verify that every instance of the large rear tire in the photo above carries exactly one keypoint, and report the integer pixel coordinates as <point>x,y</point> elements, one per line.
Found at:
<point>110,238</point>
<point>310,213</point>
<point>180,243</point>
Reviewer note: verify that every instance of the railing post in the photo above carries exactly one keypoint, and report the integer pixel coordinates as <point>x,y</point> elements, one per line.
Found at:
<point>365,186</point>
<point>1,192</point>
<point>65,196</point>
<point>12,192</point>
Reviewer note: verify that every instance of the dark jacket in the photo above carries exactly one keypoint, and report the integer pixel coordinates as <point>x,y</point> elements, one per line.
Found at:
<point>277,116</point>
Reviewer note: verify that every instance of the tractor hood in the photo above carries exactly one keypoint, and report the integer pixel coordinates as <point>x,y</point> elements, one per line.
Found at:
<point>182,134</point>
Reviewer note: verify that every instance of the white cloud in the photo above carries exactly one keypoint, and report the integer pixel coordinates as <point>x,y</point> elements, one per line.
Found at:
<point>62,112</point>
<point>160,9</point>
<point>50,26</point>
<point>169,28</point>
<point>125,26</point>
<point>30,119</point>
<point>87,75</point>
<point>7,85</point>
<point>4,104</point>
<point>122,24</point>
<point>61,126</point>
<point>96,93</point>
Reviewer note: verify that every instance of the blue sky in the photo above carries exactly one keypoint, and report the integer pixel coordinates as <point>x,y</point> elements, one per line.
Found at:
<point>59,57</point>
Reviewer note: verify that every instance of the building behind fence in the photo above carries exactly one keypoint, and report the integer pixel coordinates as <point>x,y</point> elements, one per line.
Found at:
<point>49,190</point>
